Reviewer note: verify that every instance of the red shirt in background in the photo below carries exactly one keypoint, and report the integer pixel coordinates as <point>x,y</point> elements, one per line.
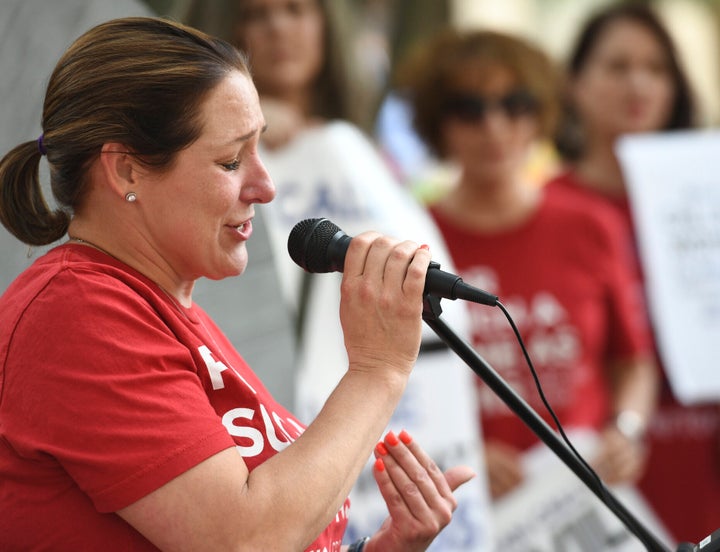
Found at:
<point>682,479</point>
<point>565,278</point>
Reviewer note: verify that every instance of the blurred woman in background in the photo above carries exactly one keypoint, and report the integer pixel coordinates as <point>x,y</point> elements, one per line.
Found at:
<point>624,77</point>
<point>324,165</point>
<point>482,100</point>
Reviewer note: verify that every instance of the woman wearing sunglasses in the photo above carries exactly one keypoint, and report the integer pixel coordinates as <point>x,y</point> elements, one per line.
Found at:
<point>482,100</point>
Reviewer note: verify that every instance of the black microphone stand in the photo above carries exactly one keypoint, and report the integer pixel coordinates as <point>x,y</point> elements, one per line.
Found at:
<point>431,316</point>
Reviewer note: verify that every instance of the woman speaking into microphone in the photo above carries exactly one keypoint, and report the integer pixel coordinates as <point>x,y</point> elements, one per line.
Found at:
<point>127,419</point>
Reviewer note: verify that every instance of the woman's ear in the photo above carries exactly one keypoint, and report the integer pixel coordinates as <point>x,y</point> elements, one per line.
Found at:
<point>119,167</point>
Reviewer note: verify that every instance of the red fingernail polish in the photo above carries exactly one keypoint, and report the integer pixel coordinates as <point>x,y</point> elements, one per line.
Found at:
<point>379,465</point>
<point>391,439</point>
<point>380,449</point>
<point>405,437</point>
<point>425,246</point>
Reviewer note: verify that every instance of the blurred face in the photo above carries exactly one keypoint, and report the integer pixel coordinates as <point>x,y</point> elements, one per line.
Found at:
<point>626,85</point>
<point>490,122</point>
<point>198,215</point>
<point>284,39</point>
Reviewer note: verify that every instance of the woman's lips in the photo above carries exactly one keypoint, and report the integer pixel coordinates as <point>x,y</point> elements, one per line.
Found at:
<point>243,230</point>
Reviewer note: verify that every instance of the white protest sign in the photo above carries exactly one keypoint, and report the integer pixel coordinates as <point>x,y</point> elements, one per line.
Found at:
<point>333,171</point>
<point>553,511</point>
<point>674,188</point>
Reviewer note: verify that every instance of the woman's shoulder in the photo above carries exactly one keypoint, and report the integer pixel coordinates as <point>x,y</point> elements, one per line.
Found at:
<point>574,208</point>
<point>75,279</point>
<point>567,186</point>
<point>346,133</point>
<point>566,191</point>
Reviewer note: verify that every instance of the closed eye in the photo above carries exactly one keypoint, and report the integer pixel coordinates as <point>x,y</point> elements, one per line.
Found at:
<point>232,165</point>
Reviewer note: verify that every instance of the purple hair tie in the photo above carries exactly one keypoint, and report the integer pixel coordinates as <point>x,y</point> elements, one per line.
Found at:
<point>41,146</point>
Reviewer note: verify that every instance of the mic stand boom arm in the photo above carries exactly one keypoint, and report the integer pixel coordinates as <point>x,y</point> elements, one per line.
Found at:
<point>431,316</point>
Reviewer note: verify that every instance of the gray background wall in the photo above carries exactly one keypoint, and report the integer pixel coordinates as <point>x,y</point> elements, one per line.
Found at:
<point>33,35</point>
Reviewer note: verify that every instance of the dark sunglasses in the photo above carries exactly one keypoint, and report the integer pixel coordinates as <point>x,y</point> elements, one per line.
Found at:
<point>473,108</point>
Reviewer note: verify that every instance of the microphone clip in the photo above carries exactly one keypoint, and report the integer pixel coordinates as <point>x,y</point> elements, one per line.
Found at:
<point>431,306</point>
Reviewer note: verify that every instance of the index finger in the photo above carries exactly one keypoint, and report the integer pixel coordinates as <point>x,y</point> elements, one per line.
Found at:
<point>357,253</point>
<point>405,268</point>
<point>427,463</point>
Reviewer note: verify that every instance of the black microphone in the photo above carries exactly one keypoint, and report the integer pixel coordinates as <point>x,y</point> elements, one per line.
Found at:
<point>318,245</point>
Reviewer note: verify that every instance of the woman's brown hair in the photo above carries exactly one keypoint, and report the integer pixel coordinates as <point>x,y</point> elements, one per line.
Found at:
<point>137,81</point>
<point>336,93</point>
<point>429,73</point>
<point>569,139</point>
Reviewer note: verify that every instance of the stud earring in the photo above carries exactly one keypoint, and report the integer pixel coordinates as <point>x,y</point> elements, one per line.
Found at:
<point>130,197</point>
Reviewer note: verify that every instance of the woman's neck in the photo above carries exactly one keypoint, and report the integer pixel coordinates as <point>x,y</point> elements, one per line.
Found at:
<point>600,169</point>
<point>491,207</point>
<point>299,100</point>
<point>93,236</point>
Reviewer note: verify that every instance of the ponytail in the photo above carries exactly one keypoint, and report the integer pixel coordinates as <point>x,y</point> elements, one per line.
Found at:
<point>23,209</point>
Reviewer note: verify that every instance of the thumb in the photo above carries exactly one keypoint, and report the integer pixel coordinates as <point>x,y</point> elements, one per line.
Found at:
<point>458,475</point>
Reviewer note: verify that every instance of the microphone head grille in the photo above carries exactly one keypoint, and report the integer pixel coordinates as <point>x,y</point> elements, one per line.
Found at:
<point>308,244</point>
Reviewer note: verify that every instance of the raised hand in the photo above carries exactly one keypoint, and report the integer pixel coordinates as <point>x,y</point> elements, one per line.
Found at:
<point>381,308</point>
<point>418,495</point>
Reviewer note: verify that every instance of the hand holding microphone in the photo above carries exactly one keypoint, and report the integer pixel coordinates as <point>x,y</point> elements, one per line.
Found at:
<point>381,306</point>
<point>384,283</point>
<point>318,245</point>
<point>382,292</point>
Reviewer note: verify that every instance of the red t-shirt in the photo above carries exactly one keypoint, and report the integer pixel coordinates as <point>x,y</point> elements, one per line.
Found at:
<point>108,390</point>
<point>682,478</point>
<point>564,278</point>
